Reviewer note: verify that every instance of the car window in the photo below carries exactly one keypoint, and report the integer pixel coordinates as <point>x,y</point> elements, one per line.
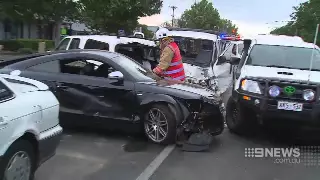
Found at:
<point>93,44</point>
<point>197,52</point>
<point>240,48</point>
<point>284,56</point>
<point>51,67</point>
<point>229,50</point>
<point>234,50</point>
<point>86,67</point>
<point>63,44</point>
<point>74,43</point>
<point>5,92</point>
<point>135,69</point>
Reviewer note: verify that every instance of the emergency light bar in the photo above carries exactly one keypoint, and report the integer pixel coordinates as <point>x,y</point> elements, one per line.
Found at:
<point>229,37</point>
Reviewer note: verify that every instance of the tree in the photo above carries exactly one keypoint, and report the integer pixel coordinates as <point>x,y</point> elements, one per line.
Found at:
<point>305,16</point>
<point>112,15</point>
<point>227,26</point>
<point>40,11</point>
<point>203,15</point>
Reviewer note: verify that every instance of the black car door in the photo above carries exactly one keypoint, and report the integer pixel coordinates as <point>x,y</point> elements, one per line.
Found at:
<point>49,71</point>
<point>86,92</point>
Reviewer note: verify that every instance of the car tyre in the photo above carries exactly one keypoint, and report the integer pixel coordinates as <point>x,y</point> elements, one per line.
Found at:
<point>20,157</point>
<point>160,125</point>
<point>239,119</point>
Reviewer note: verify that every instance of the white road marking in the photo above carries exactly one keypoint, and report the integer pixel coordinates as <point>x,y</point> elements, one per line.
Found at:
<point>154,165</point>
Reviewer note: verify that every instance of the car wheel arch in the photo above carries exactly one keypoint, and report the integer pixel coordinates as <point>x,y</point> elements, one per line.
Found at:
<point>173,105</point>
<point>30,137</point>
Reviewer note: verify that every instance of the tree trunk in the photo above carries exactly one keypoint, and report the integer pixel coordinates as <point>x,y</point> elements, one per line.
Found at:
<point>57,32</point>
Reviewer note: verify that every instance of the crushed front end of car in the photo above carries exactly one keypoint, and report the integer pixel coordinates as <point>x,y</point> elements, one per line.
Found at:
<point>201,76</point>
<point>205,120</point>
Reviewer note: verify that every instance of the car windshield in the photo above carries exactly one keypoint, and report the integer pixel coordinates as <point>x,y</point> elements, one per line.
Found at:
<point>284,57</point>
<point>135,69</point>
<point>195,51</point>
<point>240,48</point>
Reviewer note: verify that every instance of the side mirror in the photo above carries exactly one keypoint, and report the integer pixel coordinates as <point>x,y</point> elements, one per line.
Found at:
<point>222,60</point>
<point>117,75</point>
<point>15,73</point>
<point>235,60</point>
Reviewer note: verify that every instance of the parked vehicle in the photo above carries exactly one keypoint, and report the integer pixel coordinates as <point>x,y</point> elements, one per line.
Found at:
<point>273,81</point>
<point>29,126</point>
<point>116,91</point>
<point>143,51</point>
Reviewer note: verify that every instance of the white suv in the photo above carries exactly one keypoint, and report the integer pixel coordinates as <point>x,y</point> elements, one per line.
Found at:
<point>273,82</point>
<point>29,126</point>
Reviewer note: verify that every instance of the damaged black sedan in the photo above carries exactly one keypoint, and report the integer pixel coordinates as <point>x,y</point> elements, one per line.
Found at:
<point>108,90</point>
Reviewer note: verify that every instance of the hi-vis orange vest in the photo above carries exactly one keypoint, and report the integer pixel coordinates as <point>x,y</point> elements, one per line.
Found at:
<point>175,70</point>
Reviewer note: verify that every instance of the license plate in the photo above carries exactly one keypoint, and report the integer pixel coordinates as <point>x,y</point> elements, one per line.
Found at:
<point>290,106</point>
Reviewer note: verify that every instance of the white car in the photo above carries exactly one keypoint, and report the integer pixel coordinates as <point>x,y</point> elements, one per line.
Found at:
<point>29,126</point>
<point>273,82</point>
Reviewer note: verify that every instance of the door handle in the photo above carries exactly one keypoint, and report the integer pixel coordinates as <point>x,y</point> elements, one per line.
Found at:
<point>3,121</point>
<point>62,87</point>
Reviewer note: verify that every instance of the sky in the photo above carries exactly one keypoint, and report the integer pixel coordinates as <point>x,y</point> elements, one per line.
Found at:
<point>251,16</point>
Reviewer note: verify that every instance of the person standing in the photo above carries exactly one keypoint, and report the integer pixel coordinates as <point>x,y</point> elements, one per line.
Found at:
<point>170,65</point>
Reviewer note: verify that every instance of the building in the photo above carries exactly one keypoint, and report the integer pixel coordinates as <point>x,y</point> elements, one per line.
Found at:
<point>23,30</point>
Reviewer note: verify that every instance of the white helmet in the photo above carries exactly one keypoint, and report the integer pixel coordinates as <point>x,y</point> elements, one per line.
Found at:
<point>162,33</point>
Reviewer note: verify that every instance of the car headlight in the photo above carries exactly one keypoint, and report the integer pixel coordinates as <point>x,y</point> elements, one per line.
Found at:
<point>274,91</point>
<point>250,86</point>
<point>308,95</point>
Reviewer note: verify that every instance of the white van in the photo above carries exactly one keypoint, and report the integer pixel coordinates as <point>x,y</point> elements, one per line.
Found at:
<point>200,50</point>
<point>142,50</point>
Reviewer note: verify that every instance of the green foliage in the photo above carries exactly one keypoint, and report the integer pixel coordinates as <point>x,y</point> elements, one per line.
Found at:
<point>30,10</point>
<point>203,15</point>
<point>305,17</point>
<point>16,44</point>
<point>227,26</point>
<point>25,51</point>
<point>112,15</point>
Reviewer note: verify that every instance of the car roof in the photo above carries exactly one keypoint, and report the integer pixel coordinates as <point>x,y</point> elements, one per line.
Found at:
<point>193,33</point>
<point>281,40</point>
<point>16,61</point>
<point>115,40</point>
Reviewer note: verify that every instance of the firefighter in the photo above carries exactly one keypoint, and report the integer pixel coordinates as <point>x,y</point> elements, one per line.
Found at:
<point>170,65</point>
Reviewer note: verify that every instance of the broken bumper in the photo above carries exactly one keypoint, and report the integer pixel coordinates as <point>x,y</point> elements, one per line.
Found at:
<point>266,109</point>
<point>209,119</point>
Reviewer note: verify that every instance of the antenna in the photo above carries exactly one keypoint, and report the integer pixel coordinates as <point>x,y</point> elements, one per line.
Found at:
<point>312,54</point>
<point>173,8</point>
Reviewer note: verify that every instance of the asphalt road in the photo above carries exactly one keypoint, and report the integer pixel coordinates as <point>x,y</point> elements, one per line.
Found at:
<point>100,156</point>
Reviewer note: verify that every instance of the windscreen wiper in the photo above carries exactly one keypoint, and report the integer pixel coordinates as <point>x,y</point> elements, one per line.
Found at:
<point>313,69</point>
<point>277,66</point>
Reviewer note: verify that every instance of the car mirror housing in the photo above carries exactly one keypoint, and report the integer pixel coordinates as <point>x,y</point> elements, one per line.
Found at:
<point>115,75</point>
<point>235,60</point>
<point>222,59</point>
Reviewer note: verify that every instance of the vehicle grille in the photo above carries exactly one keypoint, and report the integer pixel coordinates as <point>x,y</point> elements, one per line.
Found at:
<point>297,96</point>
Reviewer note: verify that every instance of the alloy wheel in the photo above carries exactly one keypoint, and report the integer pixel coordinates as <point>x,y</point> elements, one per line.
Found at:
<point>156,125</point>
